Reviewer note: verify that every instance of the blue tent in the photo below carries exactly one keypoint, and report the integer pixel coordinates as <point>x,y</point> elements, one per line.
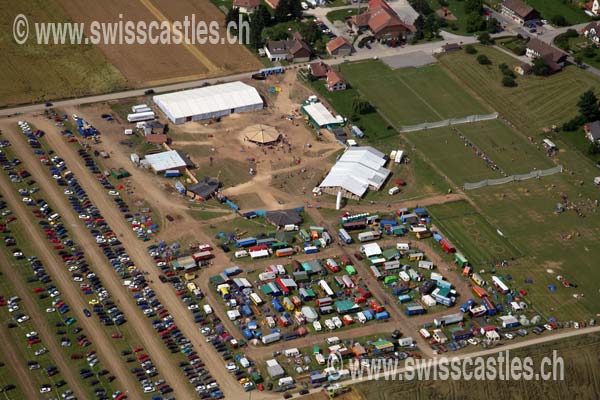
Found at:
<point>552,288</point>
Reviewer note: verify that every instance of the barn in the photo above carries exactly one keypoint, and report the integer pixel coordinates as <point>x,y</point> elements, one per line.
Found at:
<point>209,102</point>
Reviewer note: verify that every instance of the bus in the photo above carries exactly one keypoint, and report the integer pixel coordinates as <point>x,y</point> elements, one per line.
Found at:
<point>304,235</point>
<point>346,238</point>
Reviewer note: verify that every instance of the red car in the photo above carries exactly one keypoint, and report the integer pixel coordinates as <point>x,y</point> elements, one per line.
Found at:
<point>116,336</point>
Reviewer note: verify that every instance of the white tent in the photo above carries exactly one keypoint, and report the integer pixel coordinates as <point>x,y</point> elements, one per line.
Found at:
<point>358,169</point>
<point>209,102</point>
<point>261,134</point>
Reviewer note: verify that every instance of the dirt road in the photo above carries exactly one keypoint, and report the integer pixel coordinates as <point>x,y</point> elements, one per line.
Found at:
<point>138,253</point>
<point>138,323</point>
<point>109,357</point>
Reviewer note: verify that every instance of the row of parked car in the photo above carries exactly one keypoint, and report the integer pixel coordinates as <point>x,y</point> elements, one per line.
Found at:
<point>135,280</point>
<point>210,326</point>
<point>57,234</point>
<point>136,225</point>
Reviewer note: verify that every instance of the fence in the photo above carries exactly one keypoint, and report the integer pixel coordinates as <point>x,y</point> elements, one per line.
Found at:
<point>513,178</point>
<point>448,122</point>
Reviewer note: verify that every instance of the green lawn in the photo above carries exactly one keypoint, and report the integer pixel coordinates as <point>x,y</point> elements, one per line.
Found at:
<point>508,148</point>
<point>342,15</point>
<point>411,95</point>
<point>471,233</point>
<point>457,7</point>
<point>444,148</point>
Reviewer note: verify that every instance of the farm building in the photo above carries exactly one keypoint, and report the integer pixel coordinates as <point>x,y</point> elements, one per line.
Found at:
<point>318,70</point>
<point>592,131</point>
<point>519,11</point>
<point>168,160</point>
<point>261,134</point>
<point>554,57</point>
<point>340,46</point>
<point>209,102</point>
<point>294,49</point>
<point>320,116</point>
<point>383,22</point>
<point>246,6</point>
<point>335,82</point>
<point>358,169</point>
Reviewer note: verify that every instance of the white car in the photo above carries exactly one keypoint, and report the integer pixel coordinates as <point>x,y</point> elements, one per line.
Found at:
<point>231,367</point>
<point>50,309</point>
<point>113,193</point>
<point>31,334</point>
<point>23,318</point>
<point>27,199</point>
<point>509,336</point>
<point>68,191</point>
<point>149,389</point>
<point>45,388</point>
<point>13,307</point>
<point>473,341</point>
<point>41,351</point>
<point>193,307</point>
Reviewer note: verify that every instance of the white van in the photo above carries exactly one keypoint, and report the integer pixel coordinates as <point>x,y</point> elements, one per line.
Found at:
<point>402,246</point>
<point>394,190</point>
<point>333,340</point>
<point>288,380</point>
<point>317,326</point>
<point>241,254</point>
<point>290,228</point>
<point>207,309</point>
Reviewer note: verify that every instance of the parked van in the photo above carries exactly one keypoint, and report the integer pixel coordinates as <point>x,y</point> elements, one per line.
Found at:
<point>241,254</point>
<point>394,190</point>
<point>333,340</point>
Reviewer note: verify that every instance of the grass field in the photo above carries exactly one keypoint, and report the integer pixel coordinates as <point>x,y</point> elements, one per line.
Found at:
<point>342,15</point>
<point>551,8</point>
<point>411,95</point>
<point>509,149</point>
<point>36,73</point>
<point>448,152</point>
<point>536,102</point>
<point>580,378</point>
<point>471,233</point>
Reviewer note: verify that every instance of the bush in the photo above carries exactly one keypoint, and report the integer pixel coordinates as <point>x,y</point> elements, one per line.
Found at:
<point>485,38</point>
<point>559,20</point>
<point>483,59</point>
<point>508,81</point>
<point>573,124</point>
<point>470,49</point>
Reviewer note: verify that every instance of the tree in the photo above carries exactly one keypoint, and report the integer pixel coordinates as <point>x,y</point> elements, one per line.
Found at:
<point>431,28</point>
<point>483,59</point>
<point>470,49</point>
<point>473,6</point>
<point>588,106</point>
<point>485,38</point>
<point>508,81</point>
<point>540,67</point>
<point>493,25</point>
<point>559,20</point>
<point>594,148</point>
<point>361,106</point>
<point>503,68</point>
<point>419,26</point>
<point>283,11</point>
<point>421,6</point>
<point>259,20</point>
<point>475,23</point>
<point>233,15</point>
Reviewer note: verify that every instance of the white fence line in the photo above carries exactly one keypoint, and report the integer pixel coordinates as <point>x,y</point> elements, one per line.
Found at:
<point>513,178</point>
<point>448,122</point>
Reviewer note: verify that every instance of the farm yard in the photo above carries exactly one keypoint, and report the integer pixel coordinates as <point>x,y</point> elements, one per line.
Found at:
<point>69,71</point>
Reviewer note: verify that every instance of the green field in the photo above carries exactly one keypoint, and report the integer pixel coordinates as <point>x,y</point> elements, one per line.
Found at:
<point>509,149</point>
<point>342,15</point>
<point>411,95</point>
<point>471,233</point>
<point>36,73</point>
<point>459,163</point>
<point>536,102</point>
